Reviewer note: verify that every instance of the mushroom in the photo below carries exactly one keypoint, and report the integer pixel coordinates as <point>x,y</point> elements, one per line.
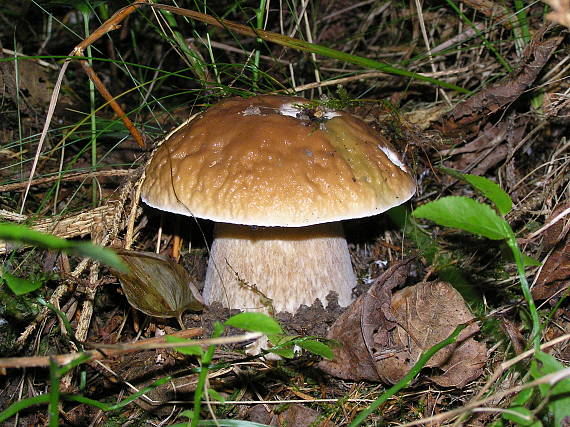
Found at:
<point>277,177</point>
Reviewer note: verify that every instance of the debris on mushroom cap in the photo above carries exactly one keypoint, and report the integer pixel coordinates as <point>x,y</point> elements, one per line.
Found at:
<point>257,162</point>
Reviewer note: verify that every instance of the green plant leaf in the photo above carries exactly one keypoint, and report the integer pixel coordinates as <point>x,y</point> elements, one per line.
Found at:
<point>316,347</point>
<point>216,396</point>
<point>18,285</point>
<point>188,413</point>
<point>255,322</point>
<point>22,234</point>
<point>523,397</point>
<point>191,350</point>
<point>218,330</point>
<point>284,352</point>
<point>559,402</point>
<point>530,261</point>
<point>282,345</point>
<point>490,189</point>
<point>465,214</point>
<point>520,415</point>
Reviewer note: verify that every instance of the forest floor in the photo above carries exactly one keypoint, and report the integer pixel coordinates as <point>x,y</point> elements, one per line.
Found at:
<point>478,88</point>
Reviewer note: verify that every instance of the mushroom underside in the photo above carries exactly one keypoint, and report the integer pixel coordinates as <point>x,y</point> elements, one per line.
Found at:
<point>278,268</point>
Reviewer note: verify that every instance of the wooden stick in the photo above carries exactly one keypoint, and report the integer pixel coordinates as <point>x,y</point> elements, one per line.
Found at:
<point>110,24</point>
<point>62,359</point>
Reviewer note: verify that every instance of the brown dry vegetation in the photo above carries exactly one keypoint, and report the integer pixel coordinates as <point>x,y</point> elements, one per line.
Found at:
<point>512,127</point>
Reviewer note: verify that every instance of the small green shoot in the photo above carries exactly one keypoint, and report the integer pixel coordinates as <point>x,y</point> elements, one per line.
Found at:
<point>315,347</point>
<point>18,285</point>
<point>478,218</point>
<point>255,322</point>
<point>283,345</point>
<point>189,350</point>
<point>558,394</point>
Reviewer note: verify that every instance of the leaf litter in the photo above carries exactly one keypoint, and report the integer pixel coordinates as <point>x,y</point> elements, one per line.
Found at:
<point>383,333</point>
<point>396,320</point>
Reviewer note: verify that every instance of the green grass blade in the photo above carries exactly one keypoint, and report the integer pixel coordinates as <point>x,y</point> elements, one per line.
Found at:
<point>304,46</point>
<point>22,234</point>
<point>20,405</point>
<point>53,406</point>
<point>484,40</point>
<point>107,407</point>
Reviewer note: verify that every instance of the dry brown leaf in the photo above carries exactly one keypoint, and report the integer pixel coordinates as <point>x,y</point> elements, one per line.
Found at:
<point>396,329</point>
<point>158,286</point>
<point>352,360</point>
<point>494,10</point>
<point>488,148</point>
<point>427,313</point>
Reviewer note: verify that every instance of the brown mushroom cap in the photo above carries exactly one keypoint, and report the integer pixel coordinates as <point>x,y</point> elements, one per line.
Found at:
<point>259,161</point>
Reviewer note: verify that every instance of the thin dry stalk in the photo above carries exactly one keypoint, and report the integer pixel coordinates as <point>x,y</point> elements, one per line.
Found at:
<point>104,351</point>
<point>66,177</point>
<point>551,379</point>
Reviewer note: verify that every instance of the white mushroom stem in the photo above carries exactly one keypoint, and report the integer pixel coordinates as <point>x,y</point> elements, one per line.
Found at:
<point>291,266</point>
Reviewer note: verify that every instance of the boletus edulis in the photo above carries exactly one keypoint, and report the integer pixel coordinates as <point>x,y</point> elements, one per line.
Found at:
<point>277,177</point>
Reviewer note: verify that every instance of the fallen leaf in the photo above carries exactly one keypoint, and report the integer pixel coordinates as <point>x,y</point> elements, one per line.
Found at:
<point>353,360</point>
<point>396,329</point>
<point>427,313</point>
<point>492,10</point>
<point>488,148</point>
<point>158,286</point>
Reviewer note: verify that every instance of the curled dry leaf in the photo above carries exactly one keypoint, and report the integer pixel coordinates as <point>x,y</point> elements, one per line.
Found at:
<point>426,314</point>
<point>158,286</point>
<point>383,335</point>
